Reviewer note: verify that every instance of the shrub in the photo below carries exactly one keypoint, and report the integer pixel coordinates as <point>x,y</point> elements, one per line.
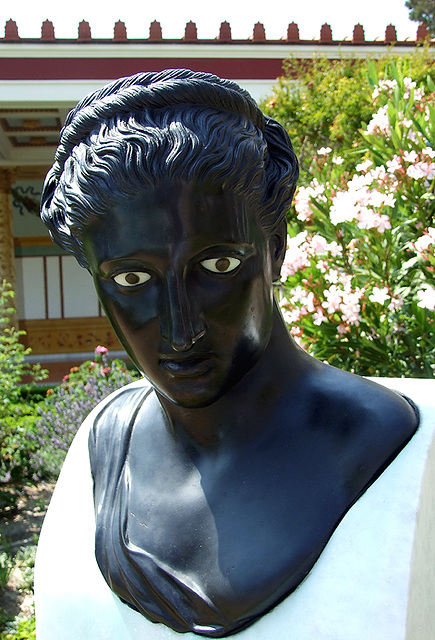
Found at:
<point>358,280</point>
<point>324,103</point>
<point>67,405</point>
<point>17,446</point>
<point>16,412</point>
<point>13,365</point>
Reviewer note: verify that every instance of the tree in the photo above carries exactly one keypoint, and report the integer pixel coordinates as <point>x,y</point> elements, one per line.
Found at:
<point>423,11</point>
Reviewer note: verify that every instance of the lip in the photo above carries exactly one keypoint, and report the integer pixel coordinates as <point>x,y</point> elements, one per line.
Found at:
<point>191,367</point>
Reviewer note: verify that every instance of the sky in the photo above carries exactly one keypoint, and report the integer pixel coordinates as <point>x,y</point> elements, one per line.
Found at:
<point>342,15</point>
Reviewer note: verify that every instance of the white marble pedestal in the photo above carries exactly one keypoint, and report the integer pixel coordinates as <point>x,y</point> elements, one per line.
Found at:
<point>375,580</point>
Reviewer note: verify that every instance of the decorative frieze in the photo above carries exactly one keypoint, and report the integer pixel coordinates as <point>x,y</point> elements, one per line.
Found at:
<point>191,35</point>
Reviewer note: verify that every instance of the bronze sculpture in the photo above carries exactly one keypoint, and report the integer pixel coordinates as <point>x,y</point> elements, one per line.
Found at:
<point>220,480</point>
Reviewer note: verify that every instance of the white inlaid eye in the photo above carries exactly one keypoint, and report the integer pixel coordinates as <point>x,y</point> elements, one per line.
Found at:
<point>131,278</point>
<point>221,265</point>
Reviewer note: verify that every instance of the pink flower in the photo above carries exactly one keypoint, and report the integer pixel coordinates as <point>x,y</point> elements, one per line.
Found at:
<point>372,220</point>
<point>421,170</point>
<point>318,244</point>
<point>99,351</point>
<point>319,317</point>
<point>342,329</point>
<point>396,303</point>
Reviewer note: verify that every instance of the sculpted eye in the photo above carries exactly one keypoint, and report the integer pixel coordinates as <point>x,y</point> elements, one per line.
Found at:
<point>131,278</point>
<point>220,265</point>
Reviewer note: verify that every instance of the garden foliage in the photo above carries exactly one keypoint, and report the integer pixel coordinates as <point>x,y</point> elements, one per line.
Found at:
<point>68,404</point>
<point>358,285</point>
<point>13,365</point>
<point>17,429</point>
<point>324,103</point>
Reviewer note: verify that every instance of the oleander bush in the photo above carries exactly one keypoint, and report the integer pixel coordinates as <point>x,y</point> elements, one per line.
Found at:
<point>358,287</point>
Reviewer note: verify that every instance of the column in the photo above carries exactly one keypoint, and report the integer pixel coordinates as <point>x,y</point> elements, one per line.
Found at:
<point>7,256</point>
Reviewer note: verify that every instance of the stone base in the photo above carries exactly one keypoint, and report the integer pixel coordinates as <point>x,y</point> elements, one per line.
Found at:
<point>375,580</point>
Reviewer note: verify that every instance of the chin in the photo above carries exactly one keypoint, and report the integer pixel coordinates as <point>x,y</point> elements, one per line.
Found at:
<point>190,399</point>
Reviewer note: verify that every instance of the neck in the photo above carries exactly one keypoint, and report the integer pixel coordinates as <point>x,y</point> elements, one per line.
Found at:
<point>276,374</point>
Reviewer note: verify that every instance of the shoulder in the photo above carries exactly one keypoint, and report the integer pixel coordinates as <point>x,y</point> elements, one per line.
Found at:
<point>113,416</point>
<point>367,423</point>
<point>364,402</point>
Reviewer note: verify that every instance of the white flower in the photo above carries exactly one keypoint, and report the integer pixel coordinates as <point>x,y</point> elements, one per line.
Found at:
<point>333,299</point>
<point>426,298</point>
<point>322,266</point>
<point>334,249</point>
<point>383,86</point>
<point>344,208</point>
<point>396,303</point>
<point>395,164</point>
<point>324,151</point>
<point>332,276</point>
<point>423,243</point>
<point>379,295</point>
<point>350,307</point>
<point>363,166</point>
<point>380,122</point>
<point>410,156</point>
<point>406,122</point>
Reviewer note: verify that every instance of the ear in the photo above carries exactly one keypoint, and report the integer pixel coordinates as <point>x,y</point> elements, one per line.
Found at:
<point>277,248</point>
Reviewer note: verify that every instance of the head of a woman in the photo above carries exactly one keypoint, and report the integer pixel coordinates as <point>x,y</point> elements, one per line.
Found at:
<point>172,188</point>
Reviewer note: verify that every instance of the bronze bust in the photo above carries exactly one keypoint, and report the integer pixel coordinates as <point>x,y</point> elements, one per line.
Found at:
<point>220,479</point>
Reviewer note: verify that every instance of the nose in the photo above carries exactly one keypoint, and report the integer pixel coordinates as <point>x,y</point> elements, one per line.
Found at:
<point>181,326</point>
